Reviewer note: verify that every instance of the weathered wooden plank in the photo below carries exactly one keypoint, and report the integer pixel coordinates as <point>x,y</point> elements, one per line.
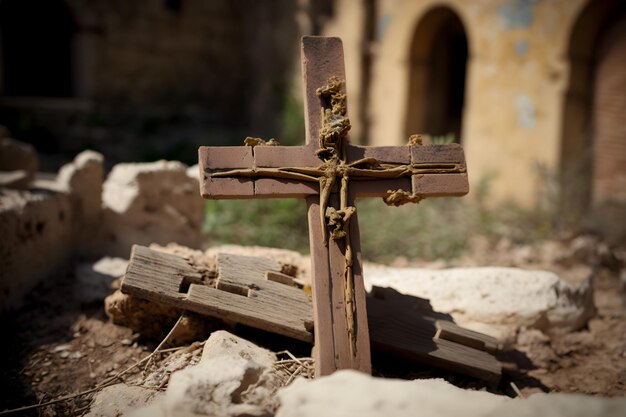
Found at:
<point>219,158</point>
<point>440,185</point>
<point>285,156</point>
<point>322,58</point>
<point>323,314</point>
<point>250,311</point>
<point>383,154</point>
<point>362,362</point>
<point>226,188</point>
<point>280,278</point>
<point>397,323</point>
<point>156,275</point>
<point>247,275</point>
<point>451,153</point>
<point>453,333</point>
<point>395,330</point>
<point>280,188</point>
<point>248,298</point>
<point>212,158</point>
<point>242,268</point>
<point>380,188</point>
<point>336,260</point>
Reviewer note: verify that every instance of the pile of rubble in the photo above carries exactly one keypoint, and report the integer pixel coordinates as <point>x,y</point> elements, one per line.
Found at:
<point>49,221</point>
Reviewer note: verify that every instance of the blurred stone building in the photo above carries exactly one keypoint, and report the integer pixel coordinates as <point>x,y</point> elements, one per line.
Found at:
<point>535,90</point>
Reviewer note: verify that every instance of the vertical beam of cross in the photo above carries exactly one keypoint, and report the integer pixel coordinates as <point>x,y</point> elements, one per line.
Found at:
<point>322,58</point>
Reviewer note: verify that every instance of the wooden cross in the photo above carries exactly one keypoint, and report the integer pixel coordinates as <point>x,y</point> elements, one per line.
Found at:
<point>331,173</point>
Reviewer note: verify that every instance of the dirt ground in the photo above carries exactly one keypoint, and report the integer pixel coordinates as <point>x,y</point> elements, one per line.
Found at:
<point>55,346</point>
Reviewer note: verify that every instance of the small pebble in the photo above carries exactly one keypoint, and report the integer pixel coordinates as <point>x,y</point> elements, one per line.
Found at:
<point>61,348</point>
<point>64,354</point>
<point>76,355</point>
<point>126,342</point>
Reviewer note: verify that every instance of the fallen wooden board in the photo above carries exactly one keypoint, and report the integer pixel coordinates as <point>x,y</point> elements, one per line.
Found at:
<point>242,294</point>
<point>253,291</point>
<point>449,331</point>
<point>418,337</point>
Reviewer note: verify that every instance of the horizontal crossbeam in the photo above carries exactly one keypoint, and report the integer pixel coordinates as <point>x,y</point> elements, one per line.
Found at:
<point>214,160</point>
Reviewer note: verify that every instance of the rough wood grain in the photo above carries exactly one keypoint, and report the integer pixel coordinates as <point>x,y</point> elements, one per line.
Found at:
<point>157,276</point>
<point>384,154</point>
<point>322,58</point>
<point>362,320</point>
<point>279,156</point>
<point>321,285</point>
<point>429,154</point>
<point>440,185</point>
<point>453,333</point>
<point>272,188</point>
<point>243,293</point>
<point>341,340</point>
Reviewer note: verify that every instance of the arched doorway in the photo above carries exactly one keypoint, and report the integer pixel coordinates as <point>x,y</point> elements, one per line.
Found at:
<point>593,147</point>
<point>439,53</point>
<point>36,48</point>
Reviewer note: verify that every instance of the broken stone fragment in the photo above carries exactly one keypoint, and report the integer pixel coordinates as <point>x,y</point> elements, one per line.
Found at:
<point>350,393</point>
<point>493,300</point>
<point>148,203</point>
<point>234,378</point>
<point>120,399</point>
<point>82,180</point>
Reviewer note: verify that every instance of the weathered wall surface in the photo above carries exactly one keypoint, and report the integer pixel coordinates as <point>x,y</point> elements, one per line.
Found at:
<point>517,74</point>
<point>232,57</point>
<point>36,239</point>
<point>146,203</point>
<point>48,222</point>
<point>609,168</point>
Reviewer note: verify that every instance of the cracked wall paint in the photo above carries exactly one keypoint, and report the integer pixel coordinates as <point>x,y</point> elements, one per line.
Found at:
<point>526,115</point>
<point>521,47</point>
<point>517,13</point>
<point>517,67</point>
<point>383,25</point>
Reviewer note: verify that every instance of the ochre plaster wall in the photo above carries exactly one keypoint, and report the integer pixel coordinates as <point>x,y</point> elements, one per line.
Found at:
<point>516,78</point>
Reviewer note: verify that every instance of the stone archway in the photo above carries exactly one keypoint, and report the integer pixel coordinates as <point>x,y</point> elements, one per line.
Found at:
<point>438,61</point>
<point>36,47</point>
<point>593,146</point>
